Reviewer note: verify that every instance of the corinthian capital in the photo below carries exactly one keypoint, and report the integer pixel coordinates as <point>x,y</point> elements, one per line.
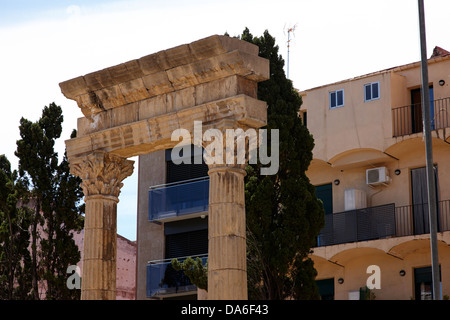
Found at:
<point>102,173</point>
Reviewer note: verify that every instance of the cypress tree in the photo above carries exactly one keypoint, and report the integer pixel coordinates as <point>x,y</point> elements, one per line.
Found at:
<point>283,214</point>
<point>15,258</point>
<point>55,197</point>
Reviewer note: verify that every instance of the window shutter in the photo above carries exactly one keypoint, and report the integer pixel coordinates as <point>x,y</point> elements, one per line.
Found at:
<point>187,244</point>
<point>184,171</point>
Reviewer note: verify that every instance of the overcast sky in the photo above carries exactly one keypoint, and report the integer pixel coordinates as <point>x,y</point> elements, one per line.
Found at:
<point>46,42</point>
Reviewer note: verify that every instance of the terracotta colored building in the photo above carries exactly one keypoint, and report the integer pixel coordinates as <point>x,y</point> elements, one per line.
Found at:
<point>125,268</point>
<point>369,170</point>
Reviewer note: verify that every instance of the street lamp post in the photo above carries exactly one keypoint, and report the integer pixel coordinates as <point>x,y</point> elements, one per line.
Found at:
<point>426,115</point>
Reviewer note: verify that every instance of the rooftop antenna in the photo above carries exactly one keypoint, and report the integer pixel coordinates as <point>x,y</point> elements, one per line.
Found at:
<point>289,31</point>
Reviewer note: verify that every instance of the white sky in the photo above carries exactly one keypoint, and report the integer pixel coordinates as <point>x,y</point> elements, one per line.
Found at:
<point>43,43</point>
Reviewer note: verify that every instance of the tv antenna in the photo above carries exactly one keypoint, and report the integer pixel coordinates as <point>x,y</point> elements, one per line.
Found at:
<point>289,31</point>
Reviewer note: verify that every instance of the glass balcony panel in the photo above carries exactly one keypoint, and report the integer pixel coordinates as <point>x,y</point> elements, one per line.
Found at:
<point>164,280</point>
<point>179,199</point>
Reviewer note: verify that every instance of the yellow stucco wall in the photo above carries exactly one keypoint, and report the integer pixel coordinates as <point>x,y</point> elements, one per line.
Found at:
<point>359,136</point>
<point>350,262</point>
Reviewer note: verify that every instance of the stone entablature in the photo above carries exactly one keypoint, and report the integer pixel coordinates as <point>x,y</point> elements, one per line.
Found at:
<point>208,80</point>
<point>166,71</point>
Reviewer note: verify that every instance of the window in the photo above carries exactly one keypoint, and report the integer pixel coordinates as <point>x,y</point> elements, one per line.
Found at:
<point>423,283</point>
<point>371,91</point>
<point>325,193</point>
<point>326,288</point>
<point>185,171</point>
<point>304,118</point>
<point>336,98</point>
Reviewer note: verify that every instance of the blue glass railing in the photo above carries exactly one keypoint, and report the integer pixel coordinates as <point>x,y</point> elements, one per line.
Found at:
<point>163,280</point>
<point>178,199</point>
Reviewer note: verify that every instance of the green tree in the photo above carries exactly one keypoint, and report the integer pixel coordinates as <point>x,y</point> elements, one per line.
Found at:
<point>284,216</point>
<point>55,196</point>
<point>15,259</point>
<point>195,270</point>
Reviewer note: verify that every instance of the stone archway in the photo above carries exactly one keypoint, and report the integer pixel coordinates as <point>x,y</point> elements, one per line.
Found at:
<point>132,109</point>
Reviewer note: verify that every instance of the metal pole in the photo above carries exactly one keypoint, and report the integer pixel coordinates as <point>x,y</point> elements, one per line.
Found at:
<point>432,210</point>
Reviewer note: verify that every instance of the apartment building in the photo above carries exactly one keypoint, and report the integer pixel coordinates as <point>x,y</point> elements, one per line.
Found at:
<point>369,170</point>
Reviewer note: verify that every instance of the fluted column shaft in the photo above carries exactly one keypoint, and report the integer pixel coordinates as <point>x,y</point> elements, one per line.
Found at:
<point>102,176</point>
<point>100,249</point>
<point>227,261</point>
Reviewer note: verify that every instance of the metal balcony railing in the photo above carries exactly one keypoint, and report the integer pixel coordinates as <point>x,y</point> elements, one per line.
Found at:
<point>407,120</point>
<point>178,199</point>
<point>163,280</point>
<point>381,222</point>
<point>358,225</point>
<point>413,219</point>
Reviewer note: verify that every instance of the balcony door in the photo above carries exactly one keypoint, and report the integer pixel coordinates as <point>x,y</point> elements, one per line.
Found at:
<point>419,193</point>
<point>423,283</point>
<point>325,194</point>
<point>416,112</point>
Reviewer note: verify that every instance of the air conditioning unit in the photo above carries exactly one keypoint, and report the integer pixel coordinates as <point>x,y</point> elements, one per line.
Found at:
<point>378,175</point>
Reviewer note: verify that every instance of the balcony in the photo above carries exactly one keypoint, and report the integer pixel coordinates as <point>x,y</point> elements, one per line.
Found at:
<point>413,219</point>
<point>408,119</point>
<point>381,222</point>
<point>178,200</point>
<point>164,281</point>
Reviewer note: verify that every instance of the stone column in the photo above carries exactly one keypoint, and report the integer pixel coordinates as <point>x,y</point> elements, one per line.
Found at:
<point>227,256</point>
<point>102,176</point>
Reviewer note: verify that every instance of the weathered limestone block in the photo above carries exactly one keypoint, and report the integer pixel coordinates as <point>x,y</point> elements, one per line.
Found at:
<point>126,71</point>
<point>178,56</point>
<point>134,90</point>
<point>224,88</point>
<point>180,99</point>
<point>152,107</point>
<point>157,83</point>
<point>153,63</point>
<point>98,80</point>
<point>89,103</point>
<point>124,114</point>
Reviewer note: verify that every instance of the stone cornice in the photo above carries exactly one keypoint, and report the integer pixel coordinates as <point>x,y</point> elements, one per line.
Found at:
<point>166,71</point>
